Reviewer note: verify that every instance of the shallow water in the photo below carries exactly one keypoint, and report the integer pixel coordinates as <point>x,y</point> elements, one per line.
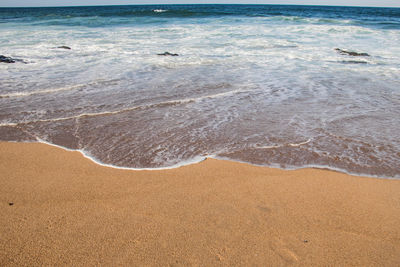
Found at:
<point>259,84</point>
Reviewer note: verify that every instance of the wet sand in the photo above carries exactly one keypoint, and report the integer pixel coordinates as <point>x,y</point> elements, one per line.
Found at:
<point>59,208</point>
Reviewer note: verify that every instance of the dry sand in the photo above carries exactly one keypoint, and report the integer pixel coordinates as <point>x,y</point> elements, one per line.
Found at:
<point>69,211</point>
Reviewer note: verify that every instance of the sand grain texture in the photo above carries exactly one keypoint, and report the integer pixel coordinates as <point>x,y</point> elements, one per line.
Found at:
<point>69,211</point>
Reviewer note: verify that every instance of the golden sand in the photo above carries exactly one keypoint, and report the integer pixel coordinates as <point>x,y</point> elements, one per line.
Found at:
<point>59,208</point>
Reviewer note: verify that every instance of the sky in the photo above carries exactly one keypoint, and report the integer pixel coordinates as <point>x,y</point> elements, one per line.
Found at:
<point>20,3</point>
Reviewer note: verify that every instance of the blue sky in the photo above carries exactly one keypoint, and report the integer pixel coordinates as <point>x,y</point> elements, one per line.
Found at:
<point>387,3</point>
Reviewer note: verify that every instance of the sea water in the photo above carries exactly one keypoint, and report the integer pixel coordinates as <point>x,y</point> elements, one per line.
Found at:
<point>254,83</point>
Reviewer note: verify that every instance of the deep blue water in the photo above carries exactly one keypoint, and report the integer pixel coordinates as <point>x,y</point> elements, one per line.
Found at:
<point>385,18</point>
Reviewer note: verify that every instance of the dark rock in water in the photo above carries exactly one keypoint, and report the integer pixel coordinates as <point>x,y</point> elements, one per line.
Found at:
<point>351,53</point>
<point>354,62</point>
<point>64,47</point>
<point>5,59</point>
<point>168,54</point>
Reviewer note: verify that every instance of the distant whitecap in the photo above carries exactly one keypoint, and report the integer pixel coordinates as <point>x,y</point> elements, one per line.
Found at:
<point>159,10</point>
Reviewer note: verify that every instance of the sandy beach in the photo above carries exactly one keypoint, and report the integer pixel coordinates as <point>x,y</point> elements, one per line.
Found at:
<point>59,208</point>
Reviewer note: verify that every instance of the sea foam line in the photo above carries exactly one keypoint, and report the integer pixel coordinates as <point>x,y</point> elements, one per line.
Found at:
<point>170,102</point>
<point>307,166</point>
<point>46,91</point>
<point>53,90</point>
<point>283,145</point>
<point>87,155</point>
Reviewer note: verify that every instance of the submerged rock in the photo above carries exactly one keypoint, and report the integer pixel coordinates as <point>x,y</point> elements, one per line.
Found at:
<point>64,47</point>
<point>354,62</point>
<point>5,59</point>
<point>351,53</point>
<point>168,54</point>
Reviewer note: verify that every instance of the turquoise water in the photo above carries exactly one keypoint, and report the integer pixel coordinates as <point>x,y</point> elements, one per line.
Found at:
<point>254,83</point>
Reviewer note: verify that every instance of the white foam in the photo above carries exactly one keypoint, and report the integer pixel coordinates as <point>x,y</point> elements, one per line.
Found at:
<point>283,145</point>
<point>8,124</point>
<point>300,144</point>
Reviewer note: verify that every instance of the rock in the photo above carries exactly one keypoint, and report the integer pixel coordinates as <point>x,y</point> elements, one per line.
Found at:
<point>351,53</point>
<point>11,203</point>
<point>5,59</point>
<point>168,54</point>
<point>64,47</point>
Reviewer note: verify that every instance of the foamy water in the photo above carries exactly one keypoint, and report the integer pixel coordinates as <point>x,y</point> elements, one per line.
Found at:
<point>259,84</point>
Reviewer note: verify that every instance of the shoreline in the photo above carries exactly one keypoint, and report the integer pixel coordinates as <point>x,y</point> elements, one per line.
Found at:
<point>199,159</point>
<point>68,210</point>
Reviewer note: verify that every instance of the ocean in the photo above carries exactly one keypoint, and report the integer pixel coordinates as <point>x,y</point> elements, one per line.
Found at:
<point>271,85</point>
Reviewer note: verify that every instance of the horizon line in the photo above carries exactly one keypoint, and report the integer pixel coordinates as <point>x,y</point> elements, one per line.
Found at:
<point>322,5</point>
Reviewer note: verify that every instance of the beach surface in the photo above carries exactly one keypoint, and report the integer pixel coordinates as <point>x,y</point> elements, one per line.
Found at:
<point>59,208</point>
